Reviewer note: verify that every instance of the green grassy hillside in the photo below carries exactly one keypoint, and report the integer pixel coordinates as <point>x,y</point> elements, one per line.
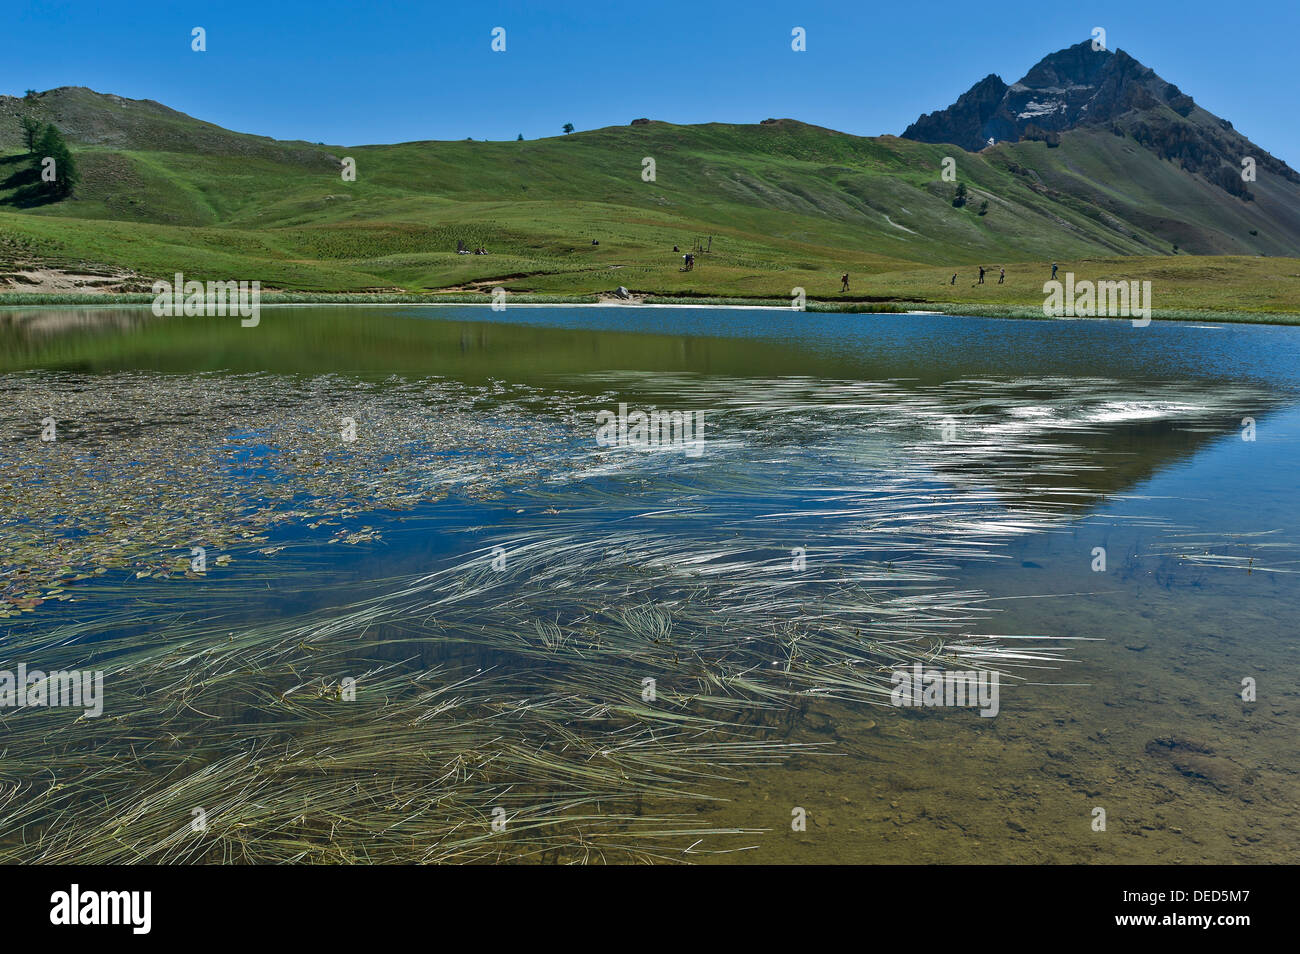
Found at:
<point>786,204</point>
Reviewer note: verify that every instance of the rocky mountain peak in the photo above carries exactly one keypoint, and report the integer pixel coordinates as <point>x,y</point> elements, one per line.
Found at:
<point>1069,88</point>
<point>1080,87</point>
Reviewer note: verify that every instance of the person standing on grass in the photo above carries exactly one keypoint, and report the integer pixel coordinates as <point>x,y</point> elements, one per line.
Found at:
<point>1002,276</point>
<point>844,282</point>
<point>1053,271</point>
<point>981,281</point>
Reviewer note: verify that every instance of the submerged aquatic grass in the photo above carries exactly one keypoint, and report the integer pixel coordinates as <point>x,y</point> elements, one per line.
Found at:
<point>521,686</point>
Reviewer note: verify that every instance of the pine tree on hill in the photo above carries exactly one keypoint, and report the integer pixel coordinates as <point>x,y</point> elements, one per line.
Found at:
<point>52,146</point>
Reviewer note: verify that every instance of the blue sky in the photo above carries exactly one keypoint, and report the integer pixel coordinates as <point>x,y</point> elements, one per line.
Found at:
<point>363,72</point>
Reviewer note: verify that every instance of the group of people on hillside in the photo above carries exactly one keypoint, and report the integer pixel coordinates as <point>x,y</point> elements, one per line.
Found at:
<point>689,263</point>
<point>983,270</point>
<point>1002,276</point>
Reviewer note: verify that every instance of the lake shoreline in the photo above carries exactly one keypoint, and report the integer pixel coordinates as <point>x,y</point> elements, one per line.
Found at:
<point>855,306</point>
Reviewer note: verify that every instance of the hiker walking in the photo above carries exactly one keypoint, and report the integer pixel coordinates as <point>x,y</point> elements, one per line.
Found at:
<point>954,279</point>
<point>1053,271</point>
<point>844,282</point>
<point>1002,275</point>
<point>981,281</point>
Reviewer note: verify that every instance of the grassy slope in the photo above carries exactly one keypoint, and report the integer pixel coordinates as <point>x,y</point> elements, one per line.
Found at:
<point>787,205</point>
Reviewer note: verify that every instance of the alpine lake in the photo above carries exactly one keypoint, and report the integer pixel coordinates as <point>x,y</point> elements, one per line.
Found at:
<point>417,584</point>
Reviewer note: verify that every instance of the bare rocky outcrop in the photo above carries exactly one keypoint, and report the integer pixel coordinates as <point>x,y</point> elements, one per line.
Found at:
<point>1082,87</point>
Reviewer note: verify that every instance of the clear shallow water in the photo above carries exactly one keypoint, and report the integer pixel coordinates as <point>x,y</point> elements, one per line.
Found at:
<point>826,433</point>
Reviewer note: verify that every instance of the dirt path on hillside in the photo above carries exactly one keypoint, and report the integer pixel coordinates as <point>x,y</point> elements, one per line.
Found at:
<point>49,280</point>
